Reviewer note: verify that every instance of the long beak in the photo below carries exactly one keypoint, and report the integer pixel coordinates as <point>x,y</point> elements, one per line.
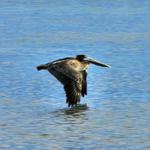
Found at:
<point>95,62</point>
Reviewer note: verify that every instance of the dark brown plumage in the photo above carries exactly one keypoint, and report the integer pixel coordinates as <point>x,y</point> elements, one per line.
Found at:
<point>71,72</point>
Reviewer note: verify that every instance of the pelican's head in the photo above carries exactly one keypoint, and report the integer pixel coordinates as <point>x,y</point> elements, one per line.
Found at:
<point>84,58</point>
<point>81,57</point>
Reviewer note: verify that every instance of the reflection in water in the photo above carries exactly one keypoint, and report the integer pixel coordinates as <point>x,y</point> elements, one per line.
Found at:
<point>76,110</point>
<point>71,113</point>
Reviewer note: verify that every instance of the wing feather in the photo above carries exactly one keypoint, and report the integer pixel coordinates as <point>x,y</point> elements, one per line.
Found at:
<point>71,79</point>
<point>84,83</point>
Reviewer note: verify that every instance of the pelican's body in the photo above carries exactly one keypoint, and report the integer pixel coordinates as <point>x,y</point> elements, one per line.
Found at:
<point>71,72</point>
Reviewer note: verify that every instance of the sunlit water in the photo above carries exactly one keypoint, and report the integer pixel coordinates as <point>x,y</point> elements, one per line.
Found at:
<point>33,113</point>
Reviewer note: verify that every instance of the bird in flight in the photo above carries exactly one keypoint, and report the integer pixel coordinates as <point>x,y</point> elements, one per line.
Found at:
<point>72,73</point>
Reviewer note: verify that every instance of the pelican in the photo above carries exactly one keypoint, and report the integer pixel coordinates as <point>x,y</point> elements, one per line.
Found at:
<point>72,73</point>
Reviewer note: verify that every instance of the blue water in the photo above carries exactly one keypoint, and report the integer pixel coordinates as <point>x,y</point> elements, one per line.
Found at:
<point>33,113</point>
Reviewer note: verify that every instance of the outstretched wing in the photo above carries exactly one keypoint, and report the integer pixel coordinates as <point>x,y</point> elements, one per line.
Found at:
<point>71,79</point>
<point>73,93</point>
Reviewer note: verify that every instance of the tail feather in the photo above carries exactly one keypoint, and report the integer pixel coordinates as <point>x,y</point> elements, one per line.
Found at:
<point>41,67</point>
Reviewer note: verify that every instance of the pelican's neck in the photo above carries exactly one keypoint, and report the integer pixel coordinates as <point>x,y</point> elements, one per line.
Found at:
<point>84,66</point>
